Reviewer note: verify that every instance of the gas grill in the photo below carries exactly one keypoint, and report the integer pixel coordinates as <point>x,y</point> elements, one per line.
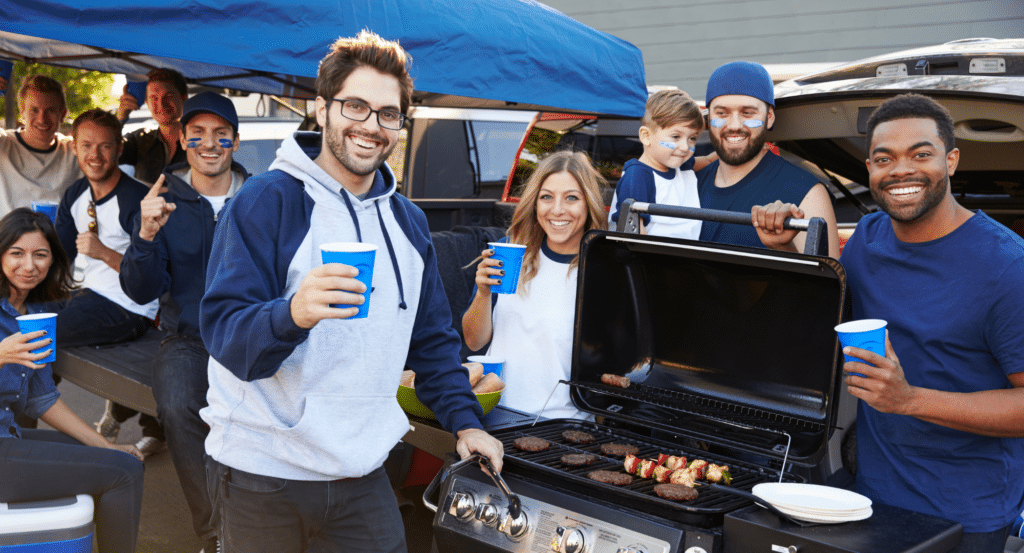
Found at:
<point>732,359</point>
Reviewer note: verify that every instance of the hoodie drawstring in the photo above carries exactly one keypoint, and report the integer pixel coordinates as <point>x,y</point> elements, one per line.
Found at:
<point>352,212</point>
<point>391,252</point>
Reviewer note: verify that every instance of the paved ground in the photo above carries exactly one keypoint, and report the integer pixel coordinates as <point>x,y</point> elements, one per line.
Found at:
<point>166,525</point>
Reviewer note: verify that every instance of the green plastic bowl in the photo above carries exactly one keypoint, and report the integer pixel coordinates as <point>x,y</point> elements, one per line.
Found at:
<point>411,404</point>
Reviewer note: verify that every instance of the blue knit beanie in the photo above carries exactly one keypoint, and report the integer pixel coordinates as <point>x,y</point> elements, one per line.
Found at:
<point>745,78</point>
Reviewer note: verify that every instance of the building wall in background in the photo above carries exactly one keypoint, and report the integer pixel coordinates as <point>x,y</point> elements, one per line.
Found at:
<point>683,41</point>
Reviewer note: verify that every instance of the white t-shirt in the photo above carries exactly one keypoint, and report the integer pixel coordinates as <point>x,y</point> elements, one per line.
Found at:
<point>533,334</point>
<point>217,203</point>
<point>28,175</point>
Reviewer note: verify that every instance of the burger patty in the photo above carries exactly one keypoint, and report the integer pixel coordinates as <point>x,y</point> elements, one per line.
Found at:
<point>577,437</point>
<point>675,492</point>
<point>611,477</point>
<point>531,444</point>
<point>577,459</point>
<point>619,450</point>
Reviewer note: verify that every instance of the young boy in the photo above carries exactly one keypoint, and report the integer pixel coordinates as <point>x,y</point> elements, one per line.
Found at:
<point>664,174</point>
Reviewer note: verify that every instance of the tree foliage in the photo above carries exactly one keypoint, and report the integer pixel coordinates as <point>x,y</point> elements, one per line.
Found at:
<point>83,90</point>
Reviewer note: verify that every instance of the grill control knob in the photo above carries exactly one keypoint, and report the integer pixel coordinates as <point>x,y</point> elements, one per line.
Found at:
<point>629,550</point>
<point>463,506</point>
<point>569,540</point>
<point>487,514</point>
<point>515,528</point>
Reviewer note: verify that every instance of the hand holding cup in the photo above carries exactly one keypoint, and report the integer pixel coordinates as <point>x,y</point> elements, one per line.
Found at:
<point>18,349</point>
<point>511,258</point>
<point>488,273</point>
<point>324,286</point>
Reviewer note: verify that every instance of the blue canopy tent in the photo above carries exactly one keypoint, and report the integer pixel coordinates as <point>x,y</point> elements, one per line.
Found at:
<point>516,54</point>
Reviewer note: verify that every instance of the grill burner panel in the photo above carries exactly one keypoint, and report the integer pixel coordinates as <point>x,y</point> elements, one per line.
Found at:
<point>545,466</point>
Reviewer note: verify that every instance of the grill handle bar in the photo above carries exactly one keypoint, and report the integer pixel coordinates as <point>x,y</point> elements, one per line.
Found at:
<point>629,221</point>
<point>515,506</point>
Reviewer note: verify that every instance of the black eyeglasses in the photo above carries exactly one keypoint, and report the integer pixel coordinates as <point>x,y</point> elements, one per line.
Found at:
<point>358,111</point>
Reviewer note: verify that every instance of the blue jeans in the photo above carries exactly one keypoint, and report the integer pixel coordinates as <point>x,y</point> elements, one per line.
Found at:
<point>89,319</point>
<point>263,514</point>
<point>985,542</point>
<point>46,464</point>
<point>179,386</point>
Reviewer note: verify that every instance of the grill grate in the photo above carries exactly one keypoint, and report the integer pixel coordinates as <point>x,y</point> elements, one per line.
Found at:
<point>546,467</point>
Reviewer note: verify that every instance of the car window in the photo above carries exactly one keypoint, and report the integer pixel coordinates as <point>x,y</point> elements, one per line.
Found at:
<point>493,144</point>
<point>608,153</point>
<point>461,158</point>
<point>257,155</point>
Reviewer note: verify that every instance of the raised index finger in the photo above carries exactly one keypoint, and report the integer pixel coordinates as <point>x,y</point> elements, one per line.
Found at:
<point>157,188</point>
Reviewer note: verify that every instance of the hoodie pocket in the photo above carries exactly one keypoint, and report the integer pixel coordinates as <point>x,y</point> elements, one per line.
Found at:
<point>341,436</point>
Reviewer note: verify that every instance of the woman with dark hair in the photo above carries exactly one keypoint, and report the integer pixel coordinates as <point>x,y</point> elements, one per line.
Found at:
<point>531,330</point>
<point>43,464</point>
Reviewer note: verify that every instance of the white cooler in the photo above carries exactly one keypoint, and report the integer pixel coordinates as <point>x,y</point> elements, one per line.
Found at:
<point>54,526</point>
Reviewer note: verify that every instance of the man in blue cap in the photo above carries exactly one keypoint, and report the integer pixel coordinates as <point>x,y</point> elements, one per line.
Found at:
<point>741,110</point>
<point>167,259</point>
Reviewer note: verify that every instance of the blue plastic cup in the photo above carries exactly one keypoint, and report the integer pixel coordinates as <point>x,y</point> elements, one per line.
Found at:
<point>866,334</point>
<point>358,255</point>
<point>49,208</point>
<point>491,363</point>
<point>6,68</point>
<point>511,256</point>
<point>138,90</point>
<point>41,321</point>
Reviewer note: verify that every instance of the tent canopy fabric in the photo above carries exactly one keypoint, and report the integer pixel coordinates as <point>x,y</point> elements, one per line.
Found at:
<point>517,54</point>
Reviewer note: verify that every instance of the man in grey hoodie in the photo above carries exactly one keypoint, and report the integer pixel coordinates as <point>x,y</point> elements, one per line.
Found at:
<point>302,407</point>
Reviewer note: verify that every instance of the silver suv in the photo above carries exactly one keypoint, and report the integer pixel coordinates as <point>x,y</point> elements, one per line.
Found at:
<point>822,119</point>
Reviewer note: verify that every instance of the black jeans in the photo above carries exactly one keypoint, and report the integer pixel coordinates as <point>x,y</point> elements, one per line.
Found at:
<point>46,464</point>
<point>263,514</point>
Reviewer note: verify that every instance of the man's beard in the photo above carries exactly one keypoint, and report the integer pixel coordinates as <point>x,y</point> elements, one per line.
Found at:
<point>934,193</point>
<point>336,142</point>
<point>754,147</point>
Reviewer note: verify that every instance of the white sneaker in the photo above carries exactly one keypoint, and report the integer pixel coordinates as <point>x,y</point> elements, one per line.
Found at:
<point>149,445</point>
<point>107,426</point>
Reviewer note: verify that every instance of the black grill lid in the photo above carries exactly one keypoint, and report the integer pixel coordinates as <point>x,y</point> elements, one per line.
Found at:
<point>726,344</point>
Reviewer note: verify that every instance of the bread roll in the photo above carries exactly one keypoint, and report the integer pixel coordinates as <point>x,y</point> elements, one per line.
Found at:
<point>489,383</point>
<point>408,379</point>
<point>476,372</point>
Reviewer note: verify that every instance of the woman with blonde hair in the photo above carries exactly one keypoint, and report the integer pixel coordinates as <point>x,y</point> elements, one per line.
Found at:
<point>531,330</point>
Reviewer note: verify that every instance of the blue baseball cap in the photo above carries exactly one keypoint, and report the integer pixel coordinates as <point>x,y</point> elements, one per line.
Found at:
<point>210,102</point>
<point>745,78</point>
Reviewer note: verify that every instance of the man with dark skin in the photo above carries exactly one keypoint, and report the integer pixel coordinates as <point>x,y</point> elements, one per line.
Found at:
<point>940,426</point>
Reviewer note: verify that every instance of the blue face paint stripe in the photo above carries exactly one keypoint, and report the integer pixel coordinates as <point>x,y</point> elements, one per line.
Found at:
<point>669,145</point>
<point>194,142</point>
<point>748,123</point>
<point>226,144</point>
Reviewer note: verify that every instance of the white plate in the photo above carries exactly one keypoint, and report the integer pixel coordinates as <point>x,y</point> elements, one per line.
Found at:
<point>824,499</point>
<point>825,519</point>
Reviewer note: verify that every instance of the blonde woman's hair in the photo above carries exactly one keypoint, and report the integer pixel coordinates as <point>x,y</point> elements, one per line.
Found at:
<point>526,230</point>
